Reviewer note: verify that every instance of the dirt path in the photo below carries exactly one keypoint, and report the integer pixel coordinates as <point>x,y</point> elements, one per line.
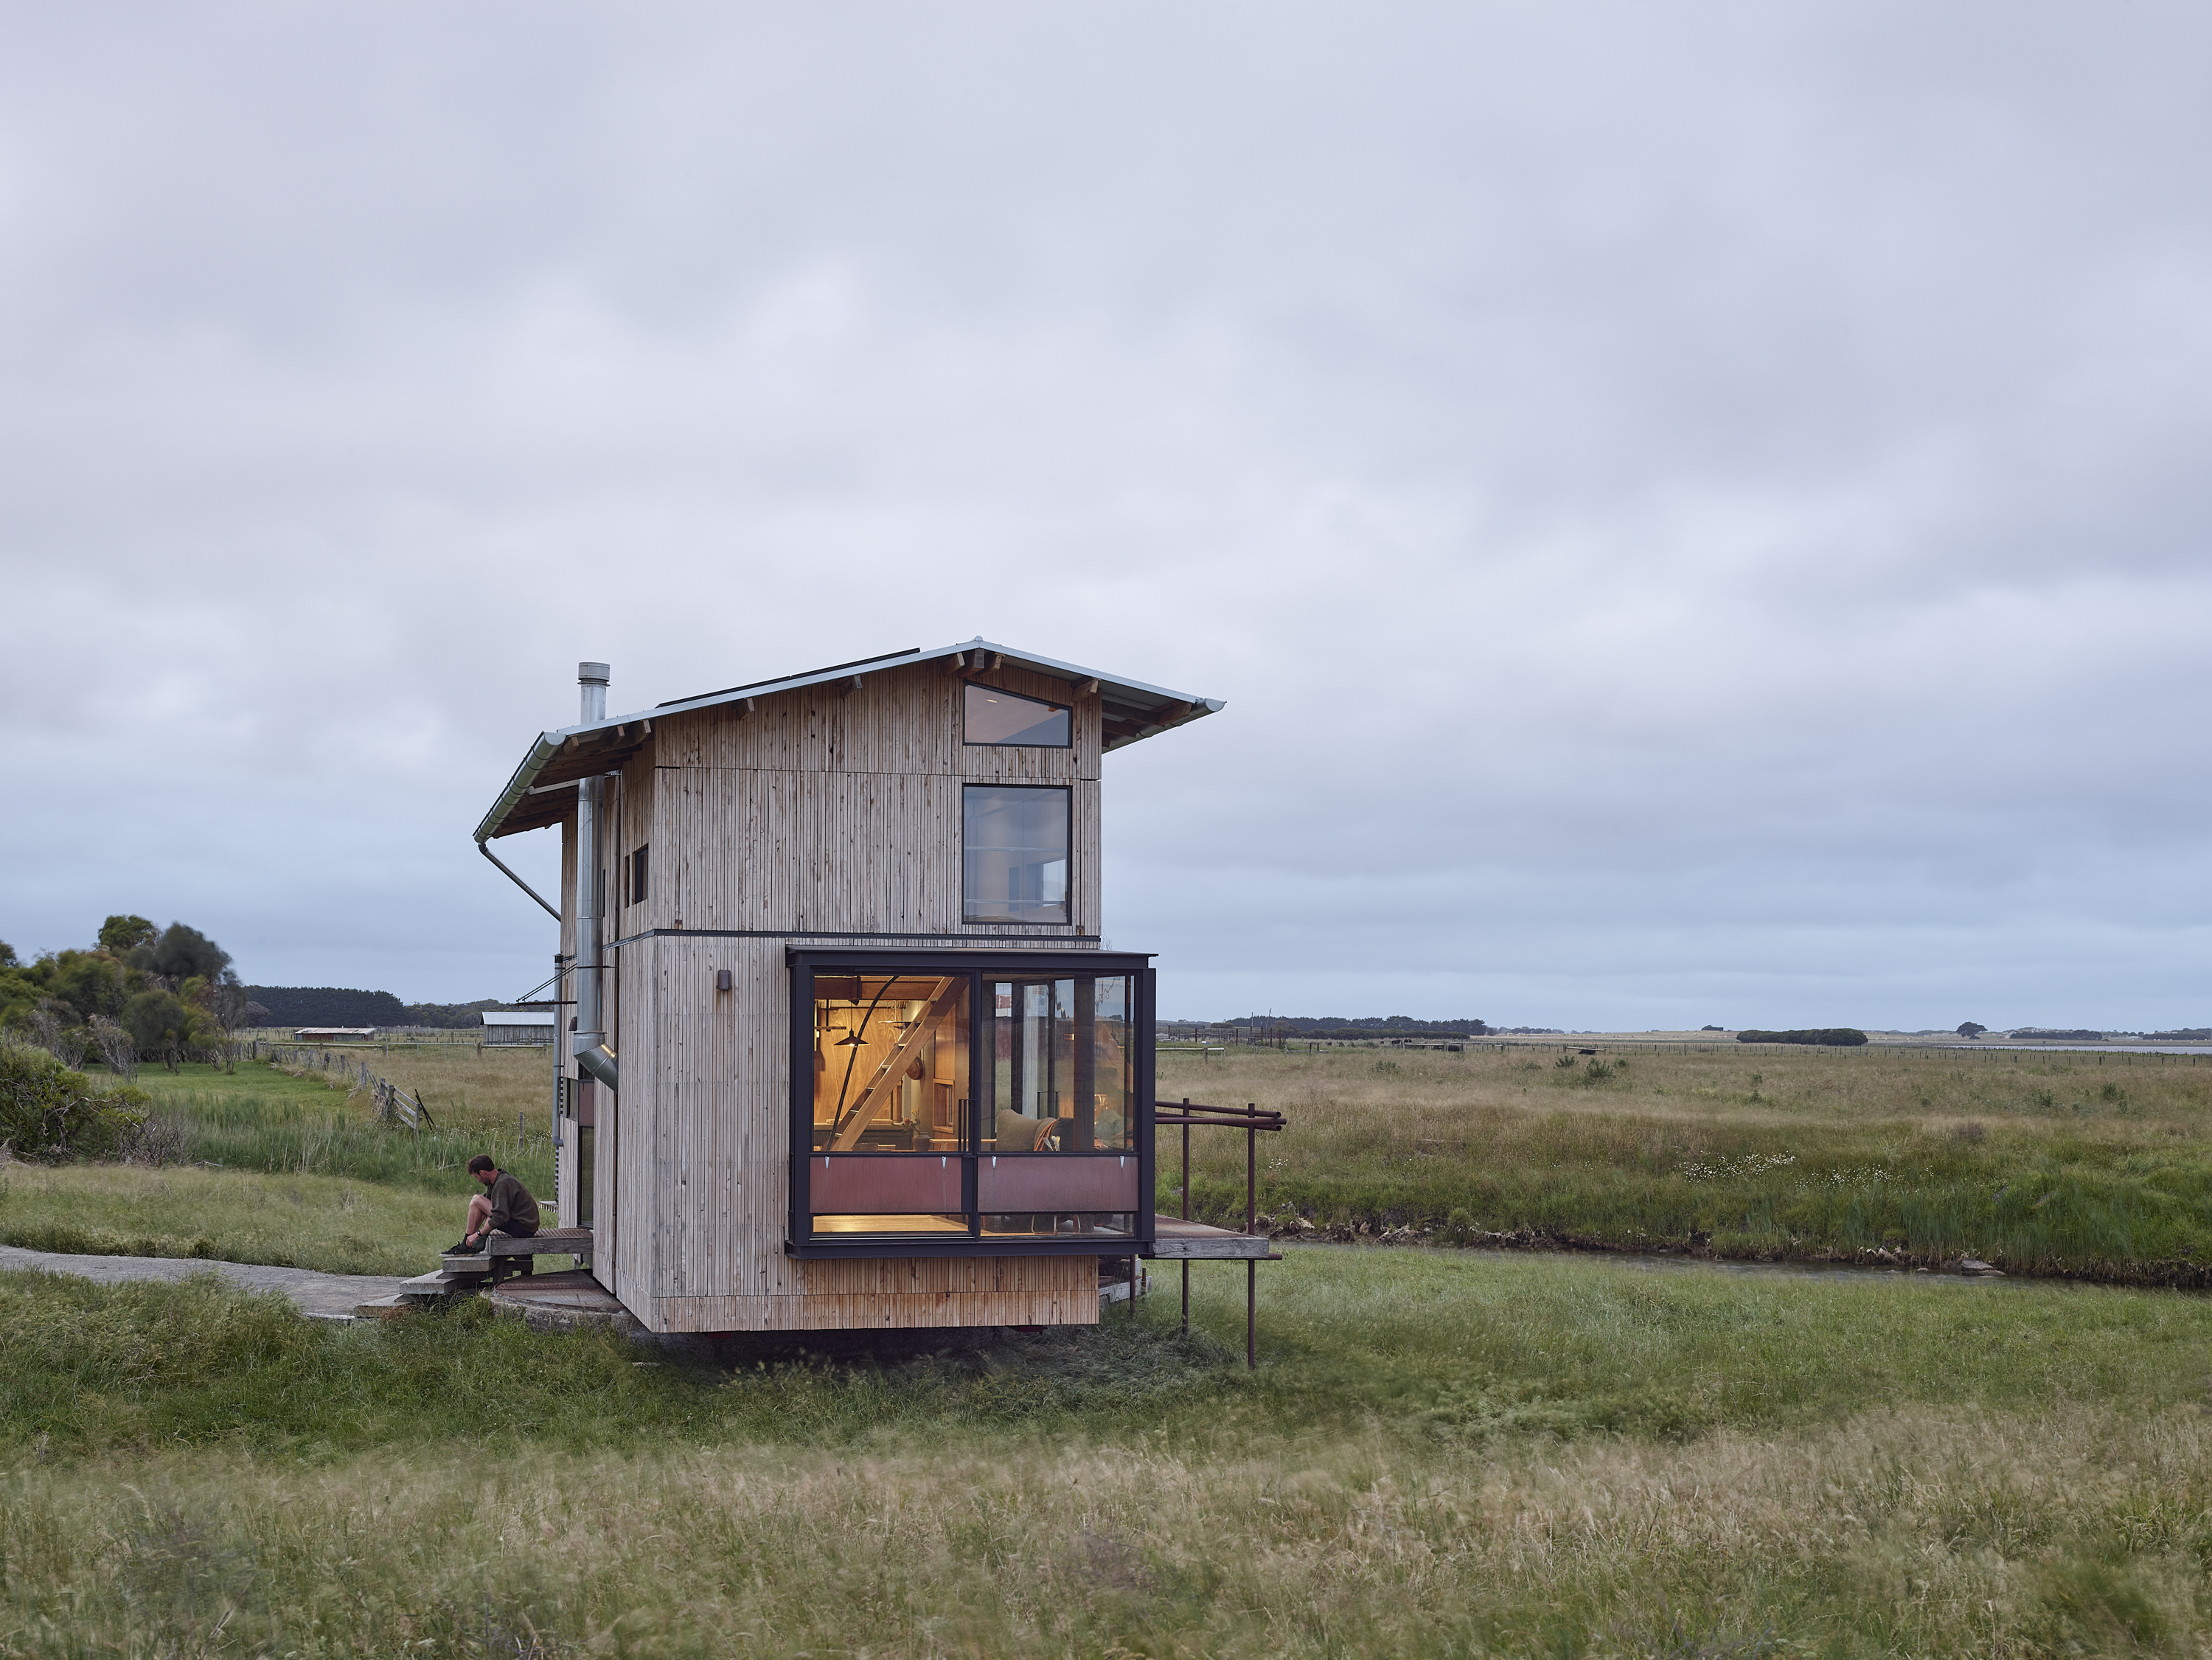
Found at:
<point>323,1296</point>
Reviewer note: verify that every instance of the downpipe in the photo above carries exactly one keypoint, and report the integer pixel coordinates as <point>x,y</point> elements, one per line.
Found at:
<point>594,1054</point>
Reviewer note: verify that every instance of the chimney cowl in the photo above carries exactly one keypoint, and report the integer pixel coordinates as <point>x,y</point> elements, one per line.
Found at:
<point>592,686</point>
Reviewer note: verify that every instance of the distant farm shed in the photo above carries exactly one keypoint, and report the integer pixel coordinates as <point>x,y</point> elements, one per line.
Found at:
<point>333,1034</point>
<point>517,1026</point>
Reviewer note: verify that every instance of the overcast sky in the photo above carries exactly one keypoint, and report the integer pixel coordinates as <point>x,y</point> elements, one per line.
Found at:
<point>1699,512</point>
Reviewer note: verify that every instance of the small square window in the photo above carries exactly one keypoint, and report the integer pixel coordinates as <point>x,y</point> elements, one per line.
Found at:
<point>994,716</point>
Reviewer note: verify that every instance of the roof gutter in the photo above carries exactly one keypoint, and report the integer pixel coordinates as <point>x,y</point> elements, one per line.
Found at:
<point>547,746</point>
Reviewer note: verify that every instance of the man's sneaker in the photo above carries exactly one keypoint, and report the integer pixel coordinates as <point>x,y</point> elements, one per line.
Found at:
<point>465,1248</point>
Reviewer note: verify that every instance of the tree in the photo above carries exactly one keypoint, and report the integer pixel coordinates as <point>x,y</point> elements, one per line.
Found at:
<point>182,952</point>
<point>159,1022</point>
<point>56,1029</point>
<point>91,982</point>
<point>117,1046</point>
<point>121,935</point>
<point>8,956</point>
<point>1972,1029</point>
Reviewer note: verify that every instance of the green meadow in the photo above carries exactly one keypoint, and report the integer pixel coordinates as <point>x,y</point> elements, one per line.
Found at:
<point>268,1167</point>
<point>1443,1452</point>
<point>2053,1163</point>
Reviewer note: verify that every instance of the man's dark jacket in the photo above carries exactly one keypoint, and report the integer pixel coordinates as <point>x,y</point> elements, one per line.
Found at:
<point>512,1210</point>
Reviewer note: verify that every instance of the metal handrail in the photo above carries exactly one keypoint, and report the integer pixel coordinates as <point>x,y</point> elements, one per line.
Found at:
<point>1251,1118</point>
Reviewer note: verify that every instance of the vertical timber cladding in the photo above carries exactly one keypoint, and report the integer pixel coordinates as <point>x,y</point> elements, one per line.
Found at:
<point>816,812</point>
<point>713,1257</point>
<point>819,812</point>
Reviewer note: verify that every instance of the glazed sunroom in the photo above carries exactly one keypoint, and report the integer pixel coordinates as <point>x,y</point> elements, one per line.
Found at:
<point>962,1102</point>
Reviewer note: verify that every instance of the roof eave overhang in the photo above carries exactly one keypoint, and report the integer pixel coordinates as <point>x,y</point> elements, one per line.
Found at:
<point>534,796</point>
<point>1131,710</point>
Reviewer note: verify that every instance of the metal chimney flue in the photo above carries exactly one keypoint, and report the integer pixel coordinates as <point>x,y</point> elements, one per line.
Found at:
<point>593,1054</point>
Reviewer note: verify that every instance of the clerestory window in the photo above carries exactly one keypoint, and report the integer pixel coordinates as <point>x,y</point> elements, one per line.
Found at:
<point>991,716</point>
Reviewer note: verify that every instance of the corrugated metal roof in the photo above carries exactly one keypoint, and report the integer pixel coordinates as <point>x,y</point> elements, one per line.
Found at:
<point>534,796</point>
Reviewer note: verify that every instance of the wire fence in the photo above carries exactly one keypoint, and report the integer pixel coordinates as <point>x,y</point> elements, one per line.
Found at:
<point>394,1105</point>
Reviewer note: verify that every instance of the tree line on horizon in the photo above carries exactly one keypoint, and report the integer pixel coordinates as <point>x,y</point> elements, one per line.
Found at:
<point>346,1005</point>
<point>141,992</point>
<point>1332,1025</point>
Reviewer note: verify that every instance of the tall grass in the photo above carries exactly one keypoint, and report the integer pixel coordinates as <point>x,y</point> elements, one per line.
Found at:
<point>2072,1164</point>
<point>333,1224</point>
<point>1427,1464</point>
<point>484,1091</point>
<point>262,1118</point>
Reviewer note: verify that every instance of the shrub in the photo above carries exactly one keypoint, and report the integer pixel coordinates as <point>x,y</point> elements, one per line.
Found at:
<point>49,1113</point>
<point>1843,1037</point>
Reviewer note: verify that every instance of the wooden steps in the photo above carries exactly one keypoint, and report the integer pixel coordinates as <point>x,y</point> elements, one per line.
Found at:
<point>475,1271</point>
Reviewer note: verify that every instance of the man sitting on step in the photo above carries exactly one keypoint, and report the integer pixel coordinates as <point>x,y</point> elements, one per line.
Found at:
<point>508,1208</point>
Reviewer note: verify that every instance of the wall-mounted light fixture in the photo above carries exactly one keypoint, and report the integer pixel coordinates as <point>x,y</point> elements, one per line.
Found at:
<point>721,979</point>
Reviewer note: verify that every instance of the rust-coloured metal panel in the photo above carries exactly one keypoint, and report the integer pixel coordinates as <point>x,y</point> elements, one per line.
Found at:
<point>864,1184</point>
<point>1056,1182</point>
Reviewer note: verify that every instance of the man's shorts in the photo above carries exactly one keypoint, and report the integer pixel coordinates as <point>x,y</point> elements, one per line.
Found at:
<point>515,1230</point>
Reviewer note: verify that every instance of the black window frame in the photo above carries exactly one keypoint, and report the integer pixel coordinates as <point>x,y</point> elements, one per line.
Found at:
<point>1068,901</point>
<point>634,879</point>
<point>1068,709</point>
<point>803,964</point>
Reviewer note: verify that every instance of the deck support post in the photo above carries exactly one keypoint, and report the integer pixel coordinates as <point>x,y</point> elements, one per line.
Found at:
<point>1251,1170</point>
<point>1250,1227</point>
<point>1186,1212</point>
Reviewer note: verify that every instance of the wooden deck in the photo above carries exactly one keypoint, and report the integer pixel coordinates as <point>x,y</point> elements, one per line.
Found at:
<point>562,1302</point>
<point>1174,1239</point>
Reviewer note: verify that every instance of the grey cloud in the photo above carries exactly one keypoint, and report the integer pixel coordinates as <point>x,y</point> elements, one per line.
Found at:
<point>1684,505</point>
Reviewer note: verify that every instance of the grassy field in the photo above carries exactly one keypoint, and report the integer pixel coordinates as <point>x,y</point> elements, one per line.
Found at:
<point>2051,1164</point>
<point>1442,1454</point>
<point>336,1224</point>
<point>286,1169</point>
<point>482,1091</point>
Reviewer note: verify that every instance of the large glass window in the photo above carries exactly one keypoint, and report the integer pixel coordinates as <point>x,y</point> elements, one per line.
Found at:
<point>1060,1065</point>
<point>1014,853</point>
<point>963,1101</point>
<point>1061,1081</point>
<point>890,1076</point>
<point>992,716</point>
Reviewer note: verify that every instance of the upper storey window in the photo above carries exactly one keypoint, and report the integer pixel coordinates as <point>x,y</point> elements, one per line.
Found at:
<point>992,716</point>
<point>1014,853</point>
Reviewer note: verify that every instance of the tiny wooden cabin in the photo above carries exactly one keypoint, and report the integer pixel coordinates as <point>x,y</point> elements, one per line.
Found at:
<point>845,1047</point>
